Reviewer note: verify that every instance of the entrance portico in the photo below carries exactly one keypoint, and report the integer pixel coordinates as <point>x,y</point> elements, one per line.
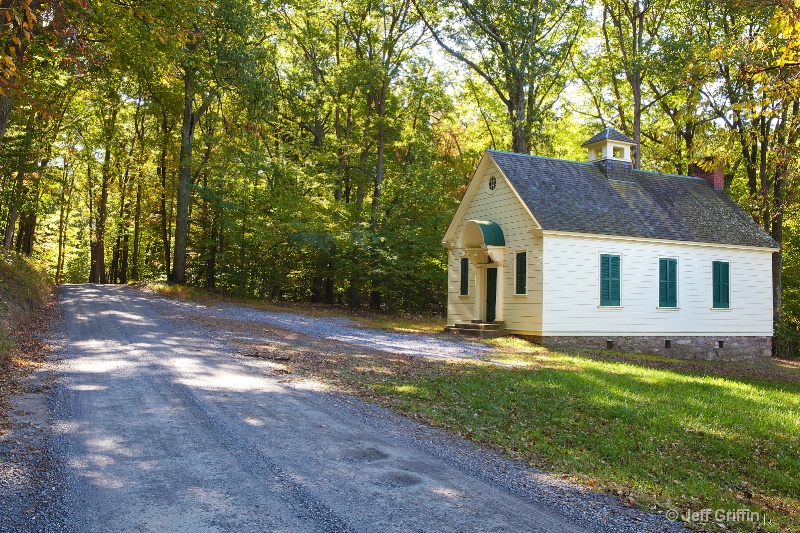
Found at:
<point>483,243</point>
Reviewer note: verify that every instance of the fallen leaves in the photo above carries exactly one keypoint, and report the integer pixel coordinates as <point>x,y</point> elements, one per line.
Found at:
<point>26,352</point>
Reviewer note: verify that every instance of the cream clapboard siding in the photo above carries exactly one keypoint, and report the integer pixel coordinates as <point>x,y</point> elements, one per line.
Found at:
<point>502,206</point>
<point>571,289</point>
<point>459,308</point>
<point>524,313</point>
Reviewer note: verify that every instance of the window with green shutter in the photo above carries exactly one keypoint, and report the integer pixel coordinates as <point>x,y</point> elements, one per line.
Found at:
<point>521,285</point>
<point>609,280</point>
<point>464,276</point>
<point>721,273</point>
<point>667,282</point>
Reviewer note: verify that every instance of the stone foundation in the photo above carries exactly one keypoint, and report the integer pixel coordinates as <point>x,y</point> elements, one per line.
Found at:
<point>704,348</point>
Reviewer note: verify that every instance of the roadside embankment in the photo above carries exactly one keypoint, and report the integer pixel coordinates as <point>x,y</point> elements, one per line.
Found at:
<point>23,289</point>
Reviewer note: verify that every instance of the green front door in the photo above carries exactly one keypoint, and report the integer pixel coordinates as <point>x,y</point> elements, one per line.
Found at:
<point>491,293</point>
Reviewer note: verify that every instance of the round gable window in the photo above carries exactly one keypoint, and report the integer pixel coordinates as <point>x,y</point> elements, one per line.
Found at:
<point>492,183</point>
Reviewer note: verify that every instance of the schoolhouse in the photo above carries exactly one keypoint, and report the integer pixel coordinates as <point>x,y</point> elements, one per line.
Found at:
<point>600,255</point>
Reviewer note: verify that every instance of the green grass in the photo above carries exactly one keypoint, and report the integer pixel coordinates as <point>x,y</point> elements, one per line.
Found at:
<point>403,323</point>
<point>662,439</point>
<point>660,433</point>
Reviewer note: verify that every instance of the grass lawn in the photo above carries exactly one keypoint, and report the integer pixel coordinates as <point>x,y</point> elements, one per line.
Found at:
<point>646,429</point>
<point>660,433</point>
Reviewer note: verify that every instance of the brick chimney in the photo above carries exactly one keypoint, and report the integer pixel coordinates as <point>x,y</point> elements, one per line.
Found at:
<point>715,177</point>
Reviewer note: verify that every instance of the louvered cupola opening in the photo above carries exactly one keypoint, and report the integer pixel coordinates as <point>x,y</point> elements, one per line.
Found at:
<point>611,151</point>
<point>610,144</point>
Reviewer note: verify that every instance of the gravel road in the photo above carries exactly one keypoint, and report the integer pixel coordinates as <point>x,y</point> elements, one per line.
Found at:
<point>341,330</point>
<point>160,427</point>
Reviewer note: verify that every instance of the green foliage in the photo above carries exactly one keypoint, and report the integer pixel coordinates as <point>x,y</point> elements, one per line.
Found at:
<point>331,142</point>
<point>24,285</point>
<point>521,50</point>
<point>77,267</point>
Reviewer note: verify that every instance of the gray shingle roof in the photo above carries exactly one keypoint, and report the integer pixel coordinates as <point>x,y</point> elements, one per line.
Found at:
<point>609,133</point>
<point>579,197</point>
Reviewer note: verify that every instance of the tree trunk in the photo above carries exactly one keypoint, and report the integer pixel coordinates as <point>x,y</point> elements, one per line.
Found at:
<point>242,255</point>
<point>102,216</point>
<point>777,260</point>
<point>520,136</point>
<point>93,272</point>
<point>5,114</point>
<point>636,88</point>
<point>184,182</point>
<point>137,230</point>
<point>11,223</point>
<point>18,189</point>
<point>163,172</point>
<point>376,192</point>
<point>115,259</point>
<point>331,274</point>
<point>211,216</point>
<point>123,269</point>
<point>28,218</point>
<point>190,118</point>
<point>63,222</point>
<point>27,229</point>
<point>375,298</point>
<point>118,269</point>
<point>211,260</point>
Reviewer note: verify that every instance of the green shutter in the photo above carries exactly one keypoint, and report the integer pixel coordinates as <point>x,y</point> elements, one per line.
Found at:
<point>721,284</point>
<point>668,283</point>
<point>609,280</point>
<point>464,276</point>
<point>522,273</point>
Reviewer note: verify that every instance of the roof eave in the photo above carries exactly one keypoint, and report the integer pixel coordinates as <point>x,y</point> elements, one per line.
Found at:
<point>605,236</point>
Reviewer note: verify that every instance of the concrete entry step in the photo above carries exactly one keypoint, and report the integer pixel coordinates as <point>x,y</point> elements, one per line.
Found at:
<point>482,330</point>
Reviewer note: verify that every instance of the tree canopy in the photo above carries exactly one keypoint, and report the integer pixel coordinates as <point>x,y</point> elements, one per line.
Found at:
<point>316,151</point>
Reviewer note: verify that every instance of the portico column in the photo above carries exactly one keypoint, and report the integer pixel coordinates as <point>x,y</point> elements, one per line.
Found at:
<point>498,307</point>
<point>480,281</point>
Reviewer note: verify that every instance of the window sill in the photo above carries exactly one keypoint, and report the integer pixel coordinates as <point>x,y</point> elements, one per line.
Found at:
<point>462,296</point>
<point>525,295</point>
<point>611,307</point>
<point>668,308</point>
<point>720,308</point>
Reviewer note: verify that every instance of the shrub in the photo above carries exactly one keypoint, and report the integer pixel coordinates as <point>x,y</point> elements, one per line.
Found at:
<point>787,340</point>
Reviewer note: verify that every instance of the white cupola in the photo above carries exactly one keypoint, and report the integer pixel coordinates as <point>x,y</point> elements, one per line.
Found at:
<point>610,144</point>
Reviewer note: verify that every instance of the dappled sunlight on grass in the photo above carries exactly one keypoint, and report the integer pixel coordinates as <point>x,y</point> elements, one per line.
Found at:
<point>655,431</point>
<point>662,437</point>
<point>400,324</point>
<point>514,343</point>
<point>532,361</point>
<point>406,389</point>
